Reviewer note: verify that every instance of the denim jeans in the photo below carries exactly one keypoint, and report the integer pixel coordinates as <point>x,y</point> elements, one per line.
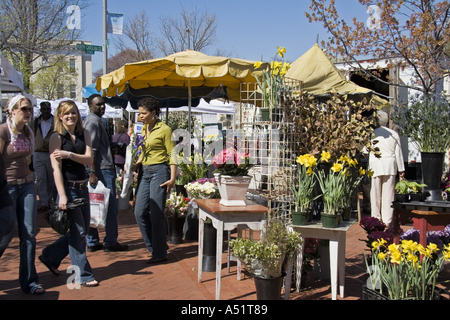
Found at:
<point>149,208</point>
<point>108,178</point>
<point>73,243</point>
<point>7,227</point>
<point>25,208</point>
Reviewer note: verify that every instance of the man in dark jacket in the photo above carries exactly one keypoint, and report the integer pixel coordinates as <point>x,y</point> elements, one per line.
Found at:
<point>43,129</point>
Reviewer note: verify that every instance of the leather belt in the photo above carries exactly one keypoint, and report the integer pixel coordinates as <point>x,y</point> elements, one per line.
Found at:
<point>76,185</point>
<point>19,182</point>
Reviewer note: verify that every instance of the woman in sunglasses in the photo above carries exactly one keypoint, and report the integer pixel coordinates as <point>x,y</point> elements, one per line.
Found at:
<point>16,145</point>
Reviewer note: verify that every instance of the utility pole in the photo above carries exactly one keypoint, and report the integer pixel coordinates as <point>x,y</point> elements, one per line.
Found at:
<point>105,37</point>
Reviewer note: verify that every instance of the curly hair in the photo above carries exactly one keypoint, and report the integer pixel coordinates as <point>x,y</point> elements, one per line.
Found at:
<point>150,105</point>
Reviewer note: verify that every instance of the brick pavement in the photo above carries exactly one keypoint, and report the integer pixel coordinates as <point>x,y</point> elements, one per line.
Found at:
<point>126,276</point>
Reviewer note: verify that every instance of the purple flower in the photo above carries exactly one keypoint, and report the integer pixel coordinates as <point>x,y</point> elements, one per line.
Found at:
<point>371,224</point>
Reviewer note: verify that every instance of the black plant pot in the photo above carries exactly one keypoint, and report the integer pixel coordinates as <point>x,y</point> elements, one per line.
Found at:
<point>209,248</point>
<point>432,166</point>
<point>175,227</point>
<point>402,197</point>
<point>269,289</point>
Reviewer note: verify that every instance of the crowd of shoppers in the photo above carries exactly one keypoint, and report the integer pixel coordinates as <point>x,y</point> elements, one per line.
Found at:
<point>67,155</point>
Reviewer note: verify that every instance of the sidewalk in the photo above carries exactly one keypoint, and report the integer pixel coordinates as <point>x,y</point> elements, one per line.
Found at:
<point>126,276</point>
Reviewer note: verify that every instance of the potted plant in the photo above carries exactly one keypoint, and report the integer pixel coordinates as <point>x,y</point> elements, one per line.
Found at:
<point>303,189</point>
<point>232,177</point>
<point>351,182</point>
<point>271,85</point>
<point>402,191</point>
<point>332,186</point>
<point>176,211</point>
<point>407,270</point>
<point>264,259</point>
<point>415,190</point>
<point>425,122</point>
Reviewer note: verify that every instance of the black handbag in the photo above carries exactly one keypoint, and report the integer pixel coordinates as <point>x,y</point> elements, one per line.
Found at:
<point>58,219</point>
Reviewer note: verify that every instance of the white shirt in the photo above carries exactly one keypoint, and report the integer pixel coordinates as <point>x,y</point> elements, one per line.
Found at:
<point>391,160</point>
<point>45,126</point>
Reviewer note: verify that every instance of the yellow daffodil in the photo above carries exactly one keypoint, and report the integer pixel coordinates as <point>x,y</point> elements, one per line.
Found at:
<point>307,160</point>
<point>310,172</point>
<point>344,159</point>
<point>362,171</point>
<point>382,256</point>
<point>352,163</point>
<point>325,156</point>
<point>346,173</point>
<point>412,258</point>
<point>446,253</point>
<point>377,244</point>
<point>396,257</point>
<point>257,64</point>
<point>370,173</point>
<point>433,247</point>
<point>281,51</point>
<point>337,167</point>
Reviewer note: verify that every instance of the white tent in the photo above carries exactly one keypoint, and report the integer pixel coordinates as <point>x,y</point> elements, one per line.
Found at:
<point>11,79</point>
<point>83,107</point>
<point>215,106</point>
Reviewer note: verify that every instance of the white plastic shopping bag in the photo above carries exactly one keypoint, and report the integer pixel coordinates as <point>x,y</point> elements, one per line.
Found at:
<point>99,200</point>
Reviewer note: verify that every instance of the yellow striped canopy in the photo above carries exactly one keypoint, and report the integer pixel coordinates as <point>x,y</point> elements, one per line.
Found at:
<point>183,69</point>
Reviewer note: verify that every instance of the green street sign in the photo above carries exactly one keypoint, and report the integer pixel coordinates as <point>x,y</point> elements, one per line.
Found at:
<point>89,49</point>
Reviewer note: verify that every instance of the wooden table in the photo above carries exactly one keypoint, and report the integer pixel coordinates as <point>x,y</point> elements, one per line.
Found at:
<point>337,237</point>
<point>426,216</point>
<point>225,219</point>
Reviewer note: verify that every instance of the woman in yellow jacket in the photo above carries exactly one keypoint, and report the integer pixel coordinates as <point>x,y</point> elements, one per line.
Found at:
<point>159,174</point>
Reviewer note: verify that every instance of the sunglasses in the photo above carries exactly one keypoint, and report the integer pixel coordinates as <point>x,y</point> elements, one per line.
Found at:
<point>25,109</point>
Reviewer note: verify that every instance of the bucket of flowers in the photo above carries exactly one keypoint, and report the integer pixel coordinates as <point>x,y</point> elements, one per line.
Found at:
<point>176,211</point>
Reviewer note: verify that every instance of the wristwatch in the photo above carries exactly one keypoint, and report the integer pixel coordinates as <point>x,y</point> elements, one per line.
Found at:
<point>92,171</point>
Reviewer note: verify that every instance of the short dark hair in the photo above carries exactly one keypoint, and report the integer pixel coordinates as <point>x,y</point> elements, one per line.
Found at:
<point>150,105</point>
<point>92,97</point>
<point>45,104</point>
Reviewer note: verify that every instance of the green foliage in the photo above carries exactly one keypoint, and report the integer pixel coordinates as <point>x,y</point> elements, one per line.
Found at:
<point>426,122</point>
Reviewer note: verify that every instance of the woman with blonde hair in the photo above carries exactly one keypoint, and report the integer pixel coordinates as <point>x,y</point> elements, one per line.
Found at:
<point>16,145</point>
<point>71,151</point>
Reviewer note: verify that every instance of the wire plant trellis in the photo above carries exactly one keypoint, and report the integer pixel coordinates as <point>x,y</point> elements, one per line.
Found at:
<point>270,140</point>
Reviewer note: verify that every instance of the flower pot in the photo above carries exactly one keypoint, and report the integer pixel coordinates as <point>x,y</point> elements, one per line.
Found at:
<point>269,289</point>
<point>175,228</point>
<point>209,248</point>
<point>301,218</point>
<point>432,166</point>
<point>330,220</point>
<point>419,197</point>
<point>265,114</point>
<point>346,213</point>
<point>233,190</point>
<point>401,197</point>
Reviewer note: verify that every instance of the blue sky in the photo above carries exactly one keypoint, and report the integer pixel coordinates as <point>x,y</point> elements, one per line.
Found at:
<point>250,29</point>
